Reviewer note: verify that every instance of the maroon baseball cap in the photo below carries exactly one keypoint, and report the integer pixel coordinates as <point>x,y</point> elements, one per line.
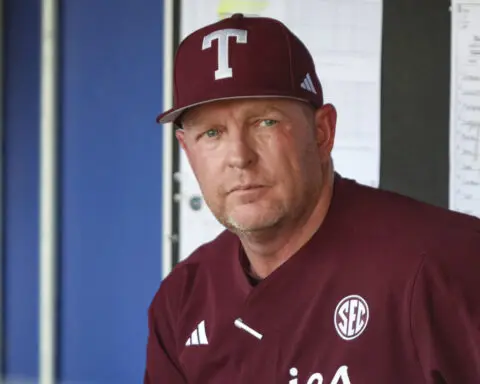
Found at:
<point>242,57</point>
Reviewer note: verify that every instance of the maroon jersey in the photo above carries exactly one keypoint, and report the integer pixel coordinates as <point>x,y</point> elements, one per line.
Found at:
<point>386,291</point>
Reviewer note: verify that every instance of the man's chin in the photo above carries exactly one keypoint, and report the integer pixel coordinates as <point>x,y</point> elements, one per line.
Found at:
<point>247,224</point>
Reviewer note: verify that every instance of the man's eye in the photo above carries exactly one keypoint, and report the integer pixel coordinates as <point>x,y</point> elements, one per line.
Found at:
<point>211,133</point>
<point>268,123</point>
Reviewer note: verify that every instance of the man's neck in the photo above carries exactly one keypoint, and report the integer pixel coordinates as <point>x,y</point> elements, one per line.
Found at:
<point>268,250</point>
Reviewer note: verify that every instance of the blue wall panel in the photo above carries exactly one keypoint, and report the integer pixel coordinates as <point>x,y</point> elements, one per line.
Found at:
<point>21,130</point>
<point>111,186</point>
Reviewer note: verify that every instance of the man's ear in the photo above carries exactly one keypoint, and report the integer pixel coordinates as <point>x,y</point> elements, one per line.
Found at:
<point>325,126</point>
<point>180,135</point>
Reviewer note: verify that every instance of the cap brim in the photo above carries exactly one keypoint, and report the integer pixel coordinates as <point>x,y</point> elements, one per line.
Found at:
<point>173,114</point>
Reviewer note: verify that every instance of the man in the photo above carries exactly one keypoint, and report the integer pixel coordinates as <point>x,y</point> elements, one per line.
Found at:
<point>317,279</point>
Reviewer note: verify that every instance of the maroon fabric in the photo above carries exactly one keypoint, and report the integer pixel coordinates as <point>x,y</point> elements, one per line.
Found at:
<point>386,291</point>
<point>272,62</point>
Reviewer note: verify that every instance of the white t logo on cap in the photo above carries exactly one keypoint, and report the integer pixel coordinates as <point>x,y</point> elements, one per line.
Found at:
<point>224,71</point>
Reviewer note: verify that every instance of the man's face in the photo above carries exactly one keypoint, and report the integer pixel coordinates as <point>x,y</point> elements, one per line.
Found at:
<point>258,161</point>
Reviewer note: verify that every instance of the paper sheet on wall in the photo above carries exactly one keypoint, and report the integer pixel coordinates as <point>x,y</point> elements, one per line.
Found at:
<point>465,108</point>
<point>344,37</point>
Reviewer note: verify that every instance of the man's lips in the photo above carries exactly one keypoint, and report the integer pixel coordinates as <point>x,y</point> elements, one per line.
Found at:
<point>246,187</point>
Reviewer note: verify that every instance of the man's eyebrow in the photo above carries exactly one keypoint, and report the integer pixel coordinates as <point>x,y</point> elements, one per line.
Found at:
<point>255,111</point>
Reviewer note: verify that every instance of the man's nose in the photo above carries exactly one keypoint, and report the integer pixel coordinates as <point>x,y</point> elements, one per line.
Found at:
<point>241,152</point>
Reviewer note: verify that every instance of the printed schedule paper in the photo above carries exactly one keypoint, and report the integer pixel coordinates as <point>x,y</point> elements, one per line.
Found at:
<point>465,108</point>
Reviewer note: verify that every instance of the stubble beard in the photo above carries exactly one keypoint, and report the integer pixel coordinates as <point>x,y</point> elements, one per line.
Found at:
<point>272,220</point>
<point>277,216</point>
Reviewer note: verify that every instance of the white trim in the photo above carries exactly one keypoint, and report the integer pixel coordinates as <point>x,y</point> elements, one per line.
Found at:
<point>167,150</point>
<point>48,193</point>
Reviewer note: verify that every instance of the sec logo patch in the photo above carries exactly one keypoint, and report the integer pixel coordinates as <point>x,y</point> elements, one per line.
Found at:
<point>351,317</point>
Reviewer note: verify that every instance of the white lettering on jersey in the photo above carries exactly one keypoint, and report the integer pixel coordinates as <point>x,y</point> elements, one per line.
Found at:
<point>351,317</point>
<point>341,374</point>
<point>316,378</point>
<point>224,71</point>
<point>341,377</point>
